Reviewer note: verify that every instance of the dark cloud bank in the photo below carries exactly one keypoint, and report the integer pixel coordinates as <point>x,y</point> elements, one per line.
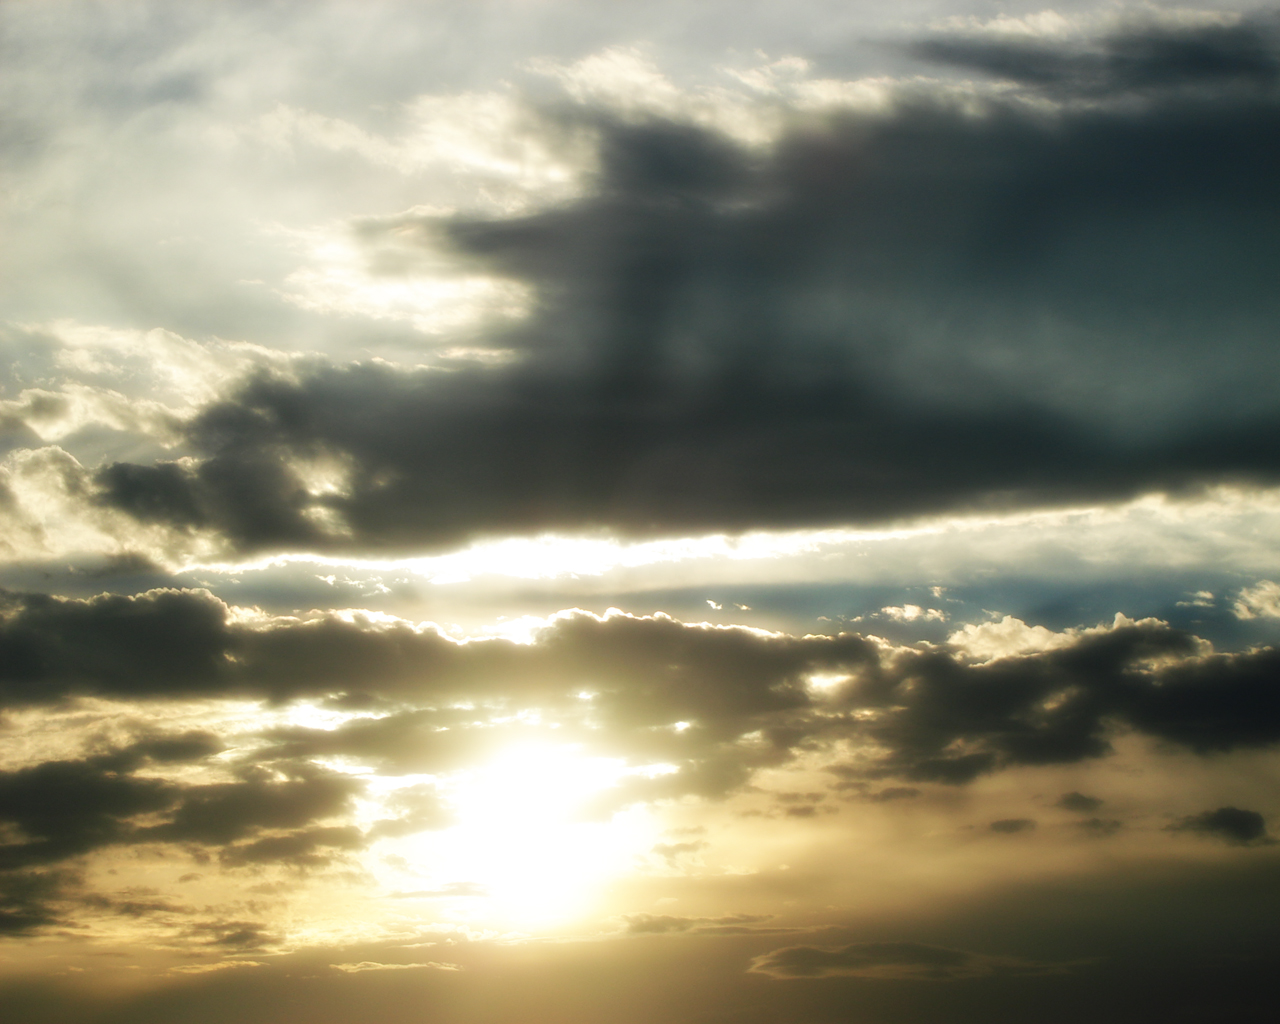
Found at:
<point>926,715</point>
<point>625,674</point>
<point>1058,292</point>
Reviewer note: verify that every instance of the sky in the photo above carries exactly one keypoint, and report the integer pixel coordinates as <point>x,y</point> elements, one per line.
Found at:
<point>713,513</point>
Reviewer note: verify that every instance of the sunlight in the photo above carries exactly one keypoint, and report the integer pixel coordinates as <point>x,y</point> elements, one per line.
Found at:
<point>521,852</point>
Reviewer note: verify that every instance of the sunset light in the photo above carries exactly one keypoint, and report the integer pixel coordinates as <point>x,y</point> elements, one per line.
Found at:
<point>684,512</point>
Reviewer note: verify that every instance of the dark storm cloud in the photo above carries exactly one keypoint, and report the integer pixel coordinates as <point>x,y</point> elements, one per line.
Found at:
<point>715,702</point>
<point>925,309</point>
<point>1229,823</point>
<point>892,960</point>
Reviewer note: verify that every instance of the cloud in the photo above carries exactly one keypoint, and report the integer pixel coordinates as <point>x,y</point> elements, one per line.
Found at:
<point>221,813</point>
<point>64,809</point>
<point>1230,823</point>
<point>921,714</point>
<point>236,934</point>
<point>1100,827</point>
<point>313,847</point>
<point>656,924</point>
<point>67,808</point>
<point>1004,637</point>
<point>1260,601</point>
<point>672,852</point>
<point>912,612</point>
<point>1143,56</point>
<point>892,961</point>
<point>421,808</point>
<point>1010,826</point>
<point>221,965</point>
<point>894,793</point>
<point>1078,802</point>
<point>370,965</point>
<point>31,900</point>
<point>936,306</point>
<point>450,891</point>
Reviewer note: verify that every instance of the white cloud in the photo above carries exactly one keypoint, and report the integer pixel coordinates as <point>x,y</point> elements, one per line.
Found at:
<point>1009,636</point>
<point>1006,637</point>
<point>342,278</point>
<point>490,135</point>
<point>1056,26</point>
<point>1199,599</point>
<point>913,613</point>
<point>1260,601</point>
<point>370,965</point>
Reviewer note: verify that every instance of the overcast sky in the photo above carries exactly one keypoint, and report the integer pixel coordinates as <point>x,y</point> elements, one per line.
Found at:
<point>549,510</point>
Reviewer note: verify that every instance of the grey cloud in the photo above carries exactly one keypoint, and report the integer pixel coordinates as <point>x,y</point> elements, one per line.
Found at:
<point>657,924</point>
<point>236,934</point>
<point>892,960</point>
<point>30,900</point>
<point>1140,58</point>
<point>314,847</point>
<point>58,810</point>
<point>1074,801</point>
<point>1009,826</point>
<point>421,809</point>
<point>67,808</point>
<point>927,713</point>
<point>162,643</point>
<point>920,310</point>
<point>221,813</point>
<point>1230,823</point>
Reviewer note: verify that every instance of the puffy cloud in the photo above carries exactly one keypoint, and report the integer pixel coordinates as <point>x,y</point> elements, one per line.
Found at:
<point>1259,601</point>
<point>1229,823</point>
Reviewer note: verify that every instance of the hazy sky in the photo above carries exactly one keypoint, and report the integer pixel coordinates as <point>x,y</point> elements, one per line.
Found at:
<point>726,513</point>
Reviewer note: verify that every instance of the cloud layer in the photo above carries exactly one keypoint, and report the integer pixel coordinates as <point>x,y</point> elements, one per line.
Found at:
<point>958,299</point>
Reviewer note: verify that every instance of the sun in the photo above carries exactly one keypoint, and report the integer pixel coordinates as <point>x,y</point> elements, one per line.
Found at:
<point>525,850</point>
